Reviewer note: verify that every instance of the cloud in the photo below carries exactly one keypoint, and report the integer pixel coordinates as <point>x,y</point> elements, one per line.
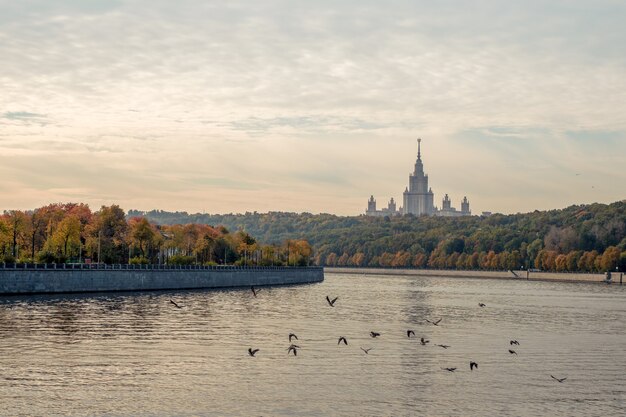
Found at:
<point>303,124</point>
<point>306,100</point>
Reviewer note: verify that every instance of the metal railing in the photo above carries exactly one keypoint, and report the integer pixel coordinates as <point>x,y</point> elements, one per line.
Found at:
<point>146,267</point>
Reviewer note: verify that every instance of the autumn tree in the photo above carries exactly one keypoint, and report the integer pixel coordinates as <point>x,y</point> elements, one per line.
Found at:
<point>17,222</point>
<point>610,259</point>
<point>66,236</point>
<point>142,234</point>
<point>107,234</point>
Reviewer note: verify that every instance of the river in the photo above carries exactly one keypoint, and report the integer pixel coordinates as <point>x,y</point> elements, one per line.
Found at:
<point>123,354</point>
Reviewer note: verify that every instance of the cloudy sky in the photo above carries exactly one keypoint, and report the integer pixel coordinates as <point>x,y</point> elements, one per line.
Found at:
<point>234,106</point>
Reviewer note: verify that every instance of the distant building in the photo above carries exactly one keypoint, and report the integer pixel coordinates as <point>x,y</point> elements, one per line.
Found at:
<point>448,211</point>
<point>390,210</point>
<point>418,197</point>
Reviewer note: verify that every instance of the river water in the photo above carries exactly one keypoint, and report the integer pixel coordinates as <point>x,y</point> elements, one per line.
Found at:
<point>137,354</point>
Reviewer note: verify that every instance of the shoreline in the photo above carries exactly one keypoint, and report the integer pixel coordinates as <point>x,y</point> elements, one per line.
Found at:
<point>122,278</point>
<point>515,275</point>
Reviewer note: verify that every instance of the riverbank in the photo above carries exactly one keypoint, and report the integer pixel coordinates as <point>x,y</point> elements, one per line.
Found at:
<point>51,279</point>
<point>512,275</point>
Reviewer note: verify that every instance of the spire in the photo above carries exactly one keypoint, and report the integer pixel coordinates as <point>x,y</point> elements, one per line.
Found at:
<point>419,154</point>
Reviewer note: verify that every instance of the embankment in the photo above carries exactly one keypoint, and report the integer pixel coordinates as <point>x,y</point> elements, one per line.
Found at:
<point>49,279</point>
<point>514,275</point>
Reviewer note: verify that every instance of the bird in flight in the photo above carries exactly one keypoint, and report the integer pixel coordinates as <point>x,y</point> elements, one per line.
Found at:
<point>374,334</point>
<point>514,342</point>
<point>294,349</point>
<point>367,351</point>
<point>342,339</point>
<point>473,365</point>
<point>174,302</point>
<point>409,333</point>
<point>444,346</point>
<point>331,302</point>
<point>424,341</point>
<point>292,336</point>
<point>252,352</point>
<point>558,379</point>
<point>255,292</point>
<point>512,352</point>
<point>434,323</point>
<point>482,304</point>
<point>449,369</point>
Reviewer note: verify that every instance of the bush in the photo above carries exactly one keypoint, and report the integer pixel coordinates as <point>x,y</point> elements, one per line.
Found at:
<point>46,257</point>
<point>181,260</point>
<point>9,259</point>
<point>139,260</point>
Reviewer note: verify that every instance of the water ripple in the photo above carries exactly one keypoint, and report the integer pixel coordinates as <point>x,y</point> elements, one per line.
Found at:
<point>135,354</point>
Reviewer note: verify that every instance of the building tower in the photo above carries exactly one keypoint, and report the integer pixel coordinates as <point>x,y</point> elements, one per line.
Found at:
<point>371,206</point>
<point>465,207</point>
<point>446,204</point>
<point>391,208</point>
<point>418,198</point>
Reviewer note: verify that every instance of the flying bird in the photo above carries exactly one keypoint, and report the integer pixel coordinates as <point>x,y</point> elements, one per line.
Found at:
<point>255,292</point>
<point>434,323</point>
<point>342,339</point>
<point>294,349</point>
<point>367,351</point>
<point>558,379</point>
<point>444,346</point>
<point>331,302</point>
<point>409,333</point>
<point>473,365</point>
<point>482,304</point>
<point>514,342</point>
<point>449,369</point>
<point>174,302</point>
<point>252,352</point>
<point>292,336</point>
<point>512,352</point>
<point>424,341</point>
<point>374,334</point>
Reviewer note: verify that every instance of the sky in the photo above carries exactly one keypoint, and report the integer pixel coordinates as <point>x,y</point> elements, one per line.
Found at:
<point>304,106</point>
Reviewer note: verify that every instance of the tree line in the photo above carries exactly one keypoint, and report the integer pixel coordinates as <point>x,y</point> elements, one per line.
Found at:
<point>579,238</point>
<point>71,232</point>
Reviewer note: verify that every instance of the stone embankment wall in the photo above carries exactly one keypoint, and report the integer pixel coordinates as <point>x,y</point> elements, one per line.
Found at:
<point>63,280</point>
<point>518,274</point>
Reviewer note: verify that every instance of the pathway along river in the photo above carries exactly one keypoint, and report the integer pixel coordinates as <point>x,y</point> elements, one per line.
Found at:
<point>137,354</point>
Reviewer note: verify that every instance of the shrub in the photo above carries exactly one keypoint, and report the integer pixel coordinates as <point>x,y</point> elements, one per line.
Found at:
<point>139,260</point>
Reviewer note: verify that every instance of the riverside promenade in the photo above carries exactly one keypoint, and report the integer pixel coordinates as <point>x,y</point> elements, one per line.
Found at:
<point>73,278</point>
<point>616,277</point>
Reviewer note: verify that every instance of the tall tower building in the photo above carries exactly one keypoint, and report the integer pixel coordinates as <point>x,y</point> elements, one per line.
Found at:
<point>465,207</point>
<point>371,205</point>
<point>418,198</point>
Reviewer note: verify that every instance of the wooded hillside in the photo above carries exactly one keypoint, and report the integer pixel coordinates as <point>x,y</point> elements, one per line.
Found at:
<point>577,238</point>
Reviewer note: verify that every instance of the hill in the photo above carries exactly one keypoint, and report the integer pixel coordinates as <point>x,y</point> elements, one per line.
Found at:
<point>577,238</point>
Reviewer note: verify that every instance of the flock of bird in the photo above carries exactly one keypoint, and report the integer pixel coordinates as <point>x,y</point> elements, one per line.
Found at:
<point>293,348</point>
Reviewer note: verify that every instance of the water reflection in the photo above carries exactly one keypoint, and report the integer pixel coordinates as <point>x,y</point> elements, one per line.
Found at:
<point>135,354</point>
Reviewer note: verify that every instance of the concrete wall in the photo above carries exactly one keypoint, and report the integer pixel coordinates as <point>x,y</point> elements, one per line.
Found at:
<point>25,281</point>
<point>538,276</point>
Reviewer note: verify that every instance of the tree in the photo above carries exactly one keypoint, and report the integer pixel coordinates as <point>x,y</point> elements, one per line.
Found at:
<point>17,221</point>
<point>610,259</point>
<point>358,259</point>
<point>66,236</point>
<point>107,235</point>
<point>142,234</point>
